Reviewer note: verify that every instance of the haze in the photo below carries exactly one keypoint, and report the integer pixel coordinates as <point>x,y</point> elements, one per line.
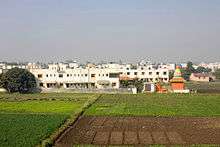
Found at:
<point>110,30</point>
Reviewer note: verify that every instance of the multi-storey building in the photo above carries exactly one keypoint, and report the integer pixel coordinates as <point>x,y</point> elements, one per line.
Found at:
<point>72,75</point>
<point>62,75</point>
<point>212,66</point>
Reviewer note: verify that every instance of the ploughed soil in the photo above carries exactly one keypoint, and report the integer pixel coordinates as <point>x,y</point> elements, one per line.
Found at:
<point>142,131</point>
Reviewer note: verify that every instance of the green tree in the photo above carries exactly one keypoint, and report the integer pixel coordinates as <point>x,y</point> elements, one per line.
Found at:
<point>188,71</point>
<point>133,83</point>
<point>190,67</point>
<point>217,74</point>
<point>171,74</point>
<point>1,78</point>
<point>18,80</point>
<point>139,85</point>
<point>201,69</point>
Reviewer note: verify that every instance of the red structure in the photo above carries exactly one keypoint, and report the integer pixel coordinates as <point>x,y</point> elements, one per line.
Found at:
<point>177,83</point>
<point>160,89</point>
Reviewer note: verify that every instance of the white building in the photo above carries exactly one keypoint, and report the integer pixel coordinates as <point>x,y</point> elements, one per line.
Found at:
<point>212,66</point>
<point>147,73</point>
<point>61,75</point>
<point>72,75</point>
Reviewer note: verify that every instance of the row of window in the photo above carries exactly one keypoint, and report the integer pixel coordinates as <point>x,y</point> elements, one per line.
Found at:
<point>143,73</point>
<point>73,75</point>
<point>111,75</point>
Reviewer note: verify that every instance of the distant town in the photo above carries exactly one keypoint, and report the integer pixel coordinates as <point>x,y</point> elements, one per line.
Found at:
<point>73,75</point>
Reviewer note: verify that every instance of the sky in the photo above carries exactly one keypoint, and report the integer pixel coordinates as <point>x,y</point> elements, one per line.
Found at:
<point>110,30</point>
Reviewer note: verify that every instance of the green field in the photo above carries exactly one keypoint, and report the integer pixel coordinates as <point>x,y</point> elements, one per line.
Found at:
<point>204,87</point>
<point>25,120</point>
<point>157,105</point>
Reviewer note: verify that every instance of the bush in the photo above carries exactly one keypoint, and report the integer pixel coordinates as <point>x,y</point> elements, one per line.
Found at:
<point>18,80</point>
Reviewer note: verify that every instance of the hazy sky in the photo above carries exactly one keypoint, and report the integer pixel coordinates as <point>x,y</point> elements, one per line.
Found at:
<point>130,30</point>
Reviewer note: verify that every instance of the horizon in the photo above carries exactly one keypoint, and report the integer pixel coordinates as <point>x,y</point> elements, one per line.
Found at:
<point>95,30</point>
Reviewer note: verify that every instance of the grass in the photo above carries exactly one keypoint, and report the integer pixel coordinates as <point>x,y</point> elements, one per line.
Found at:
<point>197,145</point>
<point>156,105</point>
<point>27,130</point>
<point>26,120</point>
<point>61,107</point>
<point>204,87</point>
<point>47,96</point>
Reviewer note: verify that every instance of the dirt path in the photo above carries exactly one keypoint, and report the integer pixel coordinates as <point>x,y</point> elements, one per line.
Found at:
<point>142,131</point>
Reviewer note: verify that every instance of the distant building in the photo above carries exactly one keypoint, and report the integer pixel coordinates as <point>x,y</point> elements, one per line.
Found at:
<point>201,77</point>
<point>212,66</point>
<point>72,75</point>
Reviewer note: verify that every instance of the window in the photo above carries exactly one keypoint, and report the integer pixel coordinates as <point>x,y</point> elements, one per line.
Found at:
<point>106,75</point>
<point>113,84</point>
<point>142,68</point>
<point>143,73</point>
<point>46,75</point>
<point>41,84</point>
<point>92,75</point>
<point>157,73</point>
<point>60,75</point>
<point>51,75</point>
<point>128,73</point>
<point>150,73</point>
<point>39,76</point>
<point>135,73</point>
<point>113,75</point>
<point>127,68</point>
<point>86,75</point>
<point>164,73</point>
<point>68,75</point>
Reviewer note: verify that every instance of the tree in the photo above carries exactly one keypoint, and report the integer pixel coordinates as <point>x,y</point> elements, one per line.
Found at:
<point>139,84</point>
<point>18,80</point>
<point>188,71</point>
<point>1,77</point>
<point>171,74</point>
<point>217,74</point>
<point>201,69</point>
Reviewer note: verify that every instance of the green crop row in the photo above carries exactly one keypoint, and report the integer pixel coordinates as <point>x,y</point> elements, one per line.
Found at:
<point>157,105</point>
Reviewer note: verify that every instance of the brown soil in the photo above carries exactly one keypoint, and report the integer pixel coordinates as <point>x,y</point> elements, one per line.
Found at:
<point>142,131</point>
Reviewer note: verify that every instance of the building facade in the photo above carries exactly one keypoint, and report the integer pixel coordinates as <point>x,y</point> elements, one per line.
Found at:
<point>101,76</point>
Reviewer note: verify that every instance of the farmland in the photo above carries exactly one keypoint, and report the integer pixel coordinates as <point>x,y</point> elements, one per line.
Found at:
<point>146,119</point>
<point>26,120</point>
<point>204,87</point>
<point>156,105</point>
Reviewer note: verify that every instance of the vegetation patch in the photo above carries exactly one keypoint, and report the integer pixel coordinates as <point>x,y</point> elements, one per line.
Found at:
<point>35,119</point>
<point>27,129</point>
<point>156,105</point>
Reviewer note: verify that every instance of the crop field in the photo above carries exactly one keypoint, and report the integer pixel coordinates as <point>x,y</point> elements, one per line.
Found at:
<point>148,119</point>
<point>204,87</point>
<point>156,105</point>
<point>25,120</point>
